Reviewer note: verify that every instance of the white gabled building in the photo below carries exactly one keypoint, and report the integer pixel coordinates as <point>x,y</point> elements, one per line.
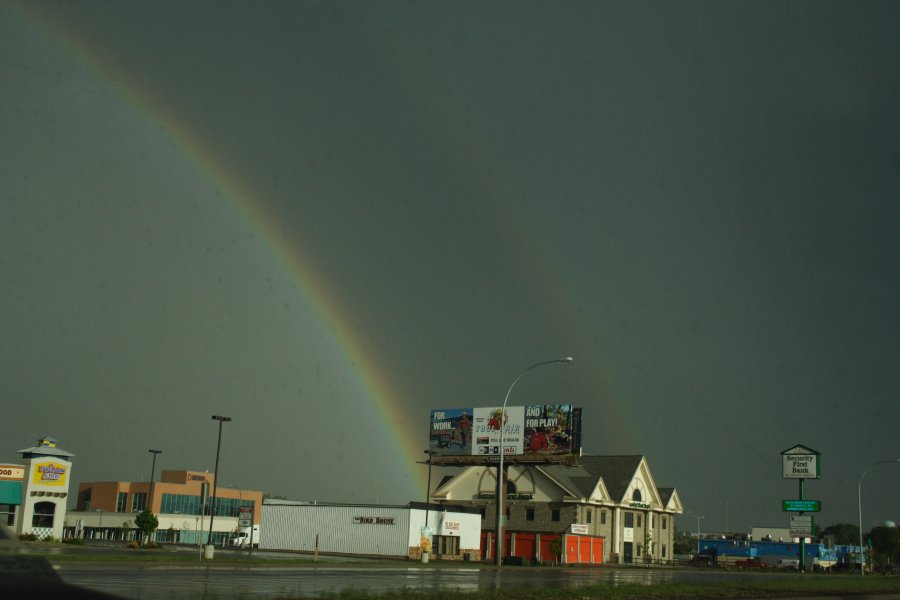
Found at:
<point>613,497</point>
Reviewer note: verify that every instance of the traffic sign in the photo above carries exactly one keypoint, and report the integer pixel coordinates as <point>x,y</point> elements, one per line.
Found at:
<point>801,505</point>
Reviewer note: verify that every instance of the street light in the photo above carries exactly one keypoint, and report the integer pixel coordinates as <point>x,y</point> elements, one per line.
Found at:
<point>149,505</point>
<point>430,453</point>
<point>698,532</point>
<point>862,553</point>
<point>152,474</point>
<point>212,512</point>
<point>501,487</point>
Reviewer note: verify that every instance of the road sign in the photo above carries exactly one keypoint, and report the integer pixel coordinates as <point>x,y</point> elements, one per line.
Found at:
<point>801,526</point>
<point>801,505</point>
<point>245,517</point>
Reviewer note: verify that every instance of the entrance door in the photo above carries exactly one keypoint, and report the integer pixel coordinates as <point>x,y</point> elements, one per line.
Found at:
<point>629,551</point>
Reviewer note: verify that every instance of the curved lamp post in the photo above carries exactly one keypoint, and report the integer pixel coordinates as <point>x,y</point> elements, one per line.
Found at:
<point>501,481</point>
<point>862,552</point>
<point>212,512</point>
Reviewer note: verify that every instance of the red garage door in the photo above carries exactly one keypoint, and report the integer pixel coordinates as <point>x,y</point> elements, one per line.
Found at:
<point>525,544</point>
<point>583,549</point>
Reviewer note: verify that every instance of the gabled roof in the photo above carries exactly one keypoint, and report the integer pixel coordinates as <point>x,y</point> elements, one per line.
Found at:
<point>671,500</point>
<point>665,494</point>
<point>615,471</point>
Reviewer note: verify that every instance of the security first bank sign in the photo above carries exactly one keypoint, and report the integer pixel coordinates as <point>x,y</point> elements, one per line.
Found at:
<point>801,462</point>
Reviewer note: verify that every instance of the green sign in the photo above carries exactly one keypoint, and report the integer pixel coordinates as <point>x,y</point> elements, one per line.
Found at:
<point>801,505</point>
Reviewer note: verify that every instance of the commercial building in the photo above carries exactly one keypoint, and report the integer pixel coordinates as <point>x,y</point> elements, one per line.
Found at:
<point>33,495</point>
<point>371,530</point>
<point>182,501</point>
<point>613,498</point>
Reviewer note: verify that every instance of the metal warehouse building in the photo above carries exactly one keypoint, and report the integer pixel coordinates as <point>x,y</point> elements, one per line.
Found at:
<point>371,530</point>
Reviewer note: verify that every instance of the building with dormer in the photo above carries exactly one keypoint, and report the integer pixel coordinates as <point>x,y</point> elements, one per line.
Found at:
<point>611,497</point>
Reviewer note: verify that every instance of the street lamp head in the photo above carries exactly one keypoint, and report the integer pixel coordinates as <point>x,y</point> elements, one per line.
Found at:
<point>219,418</point>
<point>155,451</point>
<point>566,359</point>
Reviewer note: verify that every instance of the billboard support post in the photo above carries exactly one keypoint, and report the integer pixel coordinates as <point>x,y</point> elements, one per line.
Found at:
<point>501,479</point>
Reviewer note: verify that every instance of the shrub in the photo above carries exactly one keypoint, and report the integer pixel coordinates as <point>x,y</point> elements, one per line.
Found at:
<point>73,541</point>
<point>28,537</point>
<point>132,544</point>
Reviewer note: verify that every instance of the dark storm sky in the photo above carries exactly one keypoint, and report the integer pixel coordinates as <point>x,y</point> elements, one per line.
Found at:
<point>697,200</point>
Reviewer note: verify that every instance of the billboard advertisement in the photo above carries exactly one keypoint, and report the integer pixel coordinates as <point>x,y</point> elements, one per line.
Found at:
<point>532,431</point>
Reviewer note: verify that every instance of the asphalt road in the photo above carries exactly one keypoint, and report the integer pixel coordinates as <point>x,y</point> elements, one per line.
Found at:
<point>223,583</point>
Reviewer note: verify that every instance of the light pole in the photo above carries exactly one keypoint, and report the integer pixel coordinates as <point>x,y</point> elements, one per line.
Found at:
<point>698,517</point>
<point>862,552</point>
<point>149,505</point>
<point>501,481</point>
<point>212,512</point>
<point>152,474</point>
<point>430,453</point>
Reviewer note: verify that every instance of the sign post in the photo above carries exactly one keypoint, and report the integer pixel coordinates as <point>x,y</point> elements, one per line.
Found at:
<point>800,463</point>
<point>245,519</point>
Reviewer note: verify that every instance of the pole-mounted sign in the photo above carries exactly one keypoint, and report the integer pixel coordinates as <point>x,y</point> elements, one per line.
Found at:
<point>801,462</point>
<point>801,505</point>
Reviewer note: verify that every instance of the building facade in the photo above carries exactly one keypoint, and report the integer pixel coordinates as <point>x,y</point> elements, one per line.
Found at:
<point>371,530</point>
<point>610,497</point>
<point>33,495</point>
<point>182,500</point>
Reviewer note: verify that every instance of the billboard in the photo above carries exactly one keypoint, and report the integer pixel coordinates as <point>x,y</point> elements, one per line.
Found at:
<point>528,431</point>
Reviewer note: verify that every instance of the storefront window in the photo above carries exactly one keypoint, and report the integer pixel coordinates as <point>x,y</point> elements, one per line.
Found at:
<point>43,514</point>
<point>8,514</point>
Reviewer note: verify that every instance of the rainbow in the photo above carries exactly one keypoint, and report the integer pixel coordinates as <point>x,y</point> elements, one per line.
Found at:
<point>240,193</point>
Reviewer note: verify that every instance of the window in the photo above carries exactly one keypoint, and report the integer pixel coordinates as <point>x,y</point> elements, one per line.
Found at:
<point>121,502</point>
<point>588,515</point>
<point>84,501</point>
<point>8,514</point>
<point>629,519</point>
<point>639,520</point>
<point>653,520</point>
<point>603,517</point>
<point>663,522</point>
<point>446,544</point>
<point>138,502</point>
<point>529,514</point>
<point>663,550</point>
<point>636,496</point>
<point>554,514</point>
<point>43,514</point>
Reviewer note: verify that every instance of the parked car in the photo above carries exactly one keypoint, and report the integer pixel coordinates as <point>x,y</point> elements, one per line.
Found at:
<point>702,560</point>
<point>788,563</point>
<point>751,563</point>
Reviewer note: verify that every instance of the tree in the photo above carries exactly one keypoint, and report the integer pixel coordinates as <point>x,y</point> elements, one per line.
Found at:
<point>147,522</point>
<point>845,534</point>
<point>886,543</point>
<point>684,543</point>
